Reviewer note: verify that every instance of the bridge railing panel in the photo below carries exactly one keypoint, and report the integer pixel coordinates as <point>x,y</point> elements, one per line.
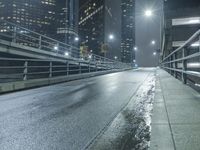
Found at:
<point>16,34</point>
<point>184,62</point>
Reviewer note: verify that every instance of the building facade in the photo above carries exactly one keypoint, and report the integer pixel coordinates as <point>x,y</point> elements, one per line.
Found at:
<point>37,15</point>
<point>101,18</point>
<point>128,31</point>
<point>98,20</point>
<point>55,18</point>
<point>67,18</point>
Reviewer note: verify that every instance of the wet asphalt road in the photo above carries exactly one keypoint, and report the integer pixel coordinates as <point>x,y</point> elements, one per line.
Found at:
<point>66,116</point>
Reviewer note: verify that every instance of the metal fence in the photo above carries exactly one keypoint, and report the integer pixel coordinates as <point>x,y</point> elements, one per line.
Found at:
<point>12,69</point>
<point>184,62</point>
<point>22,36</point>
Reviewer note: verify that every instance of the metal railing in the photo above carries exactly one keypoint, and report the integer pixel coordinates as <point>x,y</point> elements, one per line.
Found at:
<point>22,36</point>
<point>184,62</point>
<point>13,69</point>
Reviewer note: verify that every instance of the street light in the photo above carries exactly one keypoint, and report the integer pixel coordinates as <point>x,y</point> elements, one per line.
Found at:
<point>153,42</point>
<point>148,13</point>
<point>135,48</point>
<point>154,53</point>
<point>56,47</point>
<point>66,54</point>
<point>111,37</point>
<point>116,57</point>
<point>76,39</point>
<point>90,56</point>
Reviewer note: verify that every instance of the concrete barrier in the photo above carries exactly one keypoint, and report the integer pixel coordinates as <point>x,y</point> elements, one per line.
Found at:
<point>20,85</point>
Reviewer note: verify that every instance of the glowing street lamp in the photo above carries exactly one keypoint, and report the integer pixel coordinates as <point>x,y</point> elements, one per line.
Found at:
<point>153,42</point>
<point>90,56</point>
<point>135,48</point>
<point>154,53</point>
<point>66,54</point>
<point>111,37</point>
<point>56,47</point>
<point>148,13</point>
<point>76,39</point>
<point>116,57</point>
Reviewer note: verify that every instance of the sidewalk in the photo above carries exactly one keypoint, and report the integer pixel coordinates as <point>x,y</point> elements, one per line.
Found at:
<point>176,115</point>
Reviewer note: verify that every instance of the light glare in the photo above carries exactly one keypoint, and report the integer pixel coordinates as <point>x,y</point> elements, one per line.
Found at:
<point>148,13</point>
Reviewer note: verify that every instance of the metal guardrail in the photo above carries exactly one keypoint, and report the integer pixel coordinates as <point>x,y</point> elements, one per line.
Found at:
<point>184,62</point>
<point>12,69</point>
<point>22,36</point>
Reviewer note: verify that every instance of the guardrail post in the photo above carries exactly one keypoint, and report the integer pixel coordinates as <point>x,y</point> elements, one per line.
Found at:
<point>171,65</point>
<point>80,71</point>
<point>14,35</point>
<point>89,69</point>
<point>40,42</point>
<point>58,45</point>
<point>67,68</point>
<point>25,70</point>
<point>50,69</point>
<point>175,65</point>
<point>184,67</point>
<point>96,66</point>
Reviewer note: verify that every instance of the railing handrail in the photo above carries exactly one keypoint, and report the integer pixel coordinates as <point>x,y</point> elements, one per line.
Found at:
<point>63,46</point>
<point>178,62</point>
<point>184,45</point>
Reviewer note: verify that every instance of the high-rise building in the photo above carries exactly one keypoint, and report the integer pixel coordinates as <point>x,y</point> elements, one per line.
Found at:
<point>37,15</point>
<point>128,31</point>
<point>67,17</point>
<point>55,18</point>
<point>100,19</point>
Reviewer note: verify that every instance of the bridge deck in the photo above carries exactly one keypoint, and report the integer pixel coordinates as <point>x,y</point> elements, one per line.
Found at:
<point>176,115</point>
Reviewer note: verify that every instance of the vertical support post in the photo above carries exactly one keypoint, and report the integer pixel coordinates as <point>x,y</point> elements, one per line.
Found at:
<point>14,35</point>
<point>171,65</point>
<point>96,66</point>
<point>80,71</point>
<point>40,42</point>
<point>89,69</point>
<point>50,69</point>
<point>184,67</point>
<point>25,70</point>
<point>67,68</point>
<point>57,48</point>
<point>175,65</point>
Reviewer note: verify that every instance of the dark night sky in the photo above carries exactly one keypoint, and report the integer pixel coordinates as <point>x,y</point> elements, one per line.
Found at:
<point>147,29</point>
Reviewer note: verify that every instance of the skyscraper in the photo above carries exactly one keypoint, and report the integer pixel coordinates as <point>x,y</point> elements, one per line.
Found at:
<point>37,15</point>
<point>55,18</point>
<point>128,30</point>
<point>98,20</point>
<point>67,17</point>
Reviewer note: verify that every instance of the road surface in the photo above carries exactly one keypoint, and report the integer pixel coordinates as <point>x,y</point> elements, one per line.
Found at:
<point>65,116</point>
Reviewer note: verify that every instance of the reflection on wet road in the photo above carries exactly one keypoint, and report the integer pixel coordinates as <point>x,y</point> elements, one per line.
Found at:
<point>66,116</point>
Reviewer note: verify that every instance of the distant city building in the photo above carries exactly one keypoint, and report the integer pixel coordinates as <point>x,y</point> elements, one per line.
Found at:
<point>128,31</point>
<point>67,17</point>
<point>181,21</point>
<point>100,20</point>
<point>36,15</point>
<point>55,18</point>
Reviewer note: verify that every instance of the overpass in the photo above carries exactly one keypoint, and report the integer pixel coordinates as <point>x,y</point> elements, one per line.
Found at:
<point>61,100</point>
